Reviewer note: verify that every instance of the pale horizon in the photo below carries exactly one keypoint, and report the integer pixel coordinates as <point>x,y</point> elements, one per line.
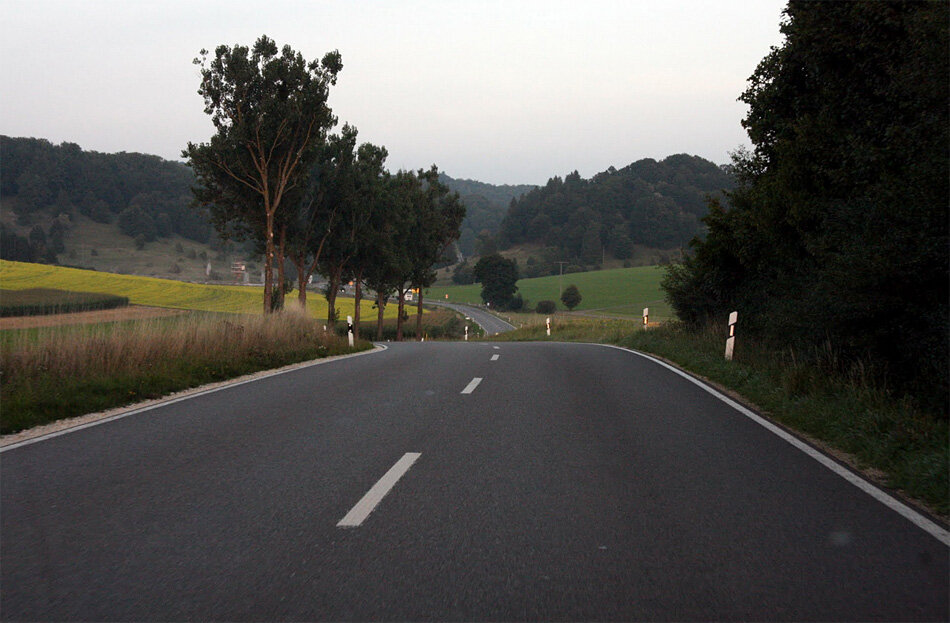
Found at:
<point>503,93</point>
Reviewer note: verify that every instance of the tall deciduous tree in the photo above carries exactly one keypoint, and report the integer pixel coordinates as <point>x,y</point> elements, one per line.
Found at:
<point>838,229</point>
<point>269,109</point>
<point>437,225</point>
<point>498,277</point>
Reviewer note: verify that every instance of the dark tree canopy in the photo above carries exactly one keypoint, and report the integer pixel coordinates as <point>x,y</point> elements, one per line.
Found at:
<point>39,181</point>
<point>498,277</point>
<point>838,228</point>
<point>657,204</point>
<point>571,297</point>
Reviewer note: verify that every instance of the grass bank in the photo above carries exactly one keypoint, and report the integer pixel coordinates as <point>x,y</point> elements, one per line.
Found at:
<point>885,435</point>
<point>59,372</point>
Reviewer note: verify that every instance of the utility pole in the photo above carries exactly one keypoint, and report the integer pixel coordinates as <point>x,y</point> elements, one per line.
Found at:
<point>560,291</point>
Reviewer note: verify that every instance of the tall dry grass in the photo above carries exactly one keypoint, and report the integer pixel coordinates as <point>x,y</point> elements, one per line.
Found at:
<point>60,372</point>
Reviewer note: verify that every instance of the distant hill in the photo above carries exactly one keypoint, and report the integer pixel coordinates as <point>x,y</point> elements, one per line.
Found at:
<point>656,204</point>
<point>485,207</point>
<point>124,212</point>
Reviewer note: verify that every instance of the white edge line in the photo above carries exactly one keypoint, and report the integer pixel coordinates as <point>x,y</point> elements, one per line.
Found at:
<point>377,492</point>
<point>881,496</point>
<point>171,401</point>
<point>472,385</point>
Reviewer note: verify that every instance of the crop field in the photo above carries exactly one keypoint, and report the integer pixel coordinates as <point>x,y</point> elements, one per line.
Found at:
<point>616,292</point>
<point>45,301</point>
<point>161,292</point>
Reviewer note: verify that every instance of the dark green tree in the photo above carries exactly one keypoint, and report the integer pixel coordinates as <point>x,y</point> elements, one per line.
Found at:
<point>571,297</point>
<point>439,215</point>
<point>269,109</point>
<point>499,278</point>
<point>838,229</point>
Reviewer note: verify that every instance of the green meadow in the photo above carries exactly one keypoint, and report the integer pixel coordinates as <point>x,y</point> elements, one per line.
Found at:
<point>155,292</point>
<point>616,292</point>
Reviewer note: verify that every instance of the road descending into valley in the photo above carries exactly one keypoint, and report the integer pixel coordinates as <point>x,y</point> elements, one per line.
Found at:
<point>489,322</point>
<point>455,481</point>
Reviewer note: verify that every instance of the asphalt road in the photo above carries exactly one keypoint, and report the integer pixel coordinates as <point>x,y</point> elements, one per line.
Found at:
<point>573,482</point>
<point>491,324</point>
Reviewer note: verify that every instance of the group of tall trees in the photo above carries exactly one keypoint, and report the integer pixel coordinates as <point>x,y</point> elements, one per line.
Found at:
<point>273,173</point>
<point>838,228</point>
<point>656,204</point>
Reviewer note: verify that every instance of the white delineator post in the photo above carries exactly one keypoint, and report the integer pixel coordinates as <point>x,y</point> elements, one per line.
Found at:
<point>548,323</point>
<point>349,330</point>
<point>646,317</point>
<point>466,333</point>
<point>731,340</point>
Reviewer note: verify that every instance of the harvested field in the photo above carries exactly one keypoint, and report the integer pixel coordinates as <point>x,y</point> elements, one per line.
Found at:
<point>132,312</point>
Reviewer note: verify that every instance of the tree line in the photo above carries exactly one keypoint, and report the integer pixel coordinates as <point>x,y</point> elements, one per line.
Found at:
<point>837,232</point>
<point>274,174</point>
<point>656,204</point>
<point>144,195</point>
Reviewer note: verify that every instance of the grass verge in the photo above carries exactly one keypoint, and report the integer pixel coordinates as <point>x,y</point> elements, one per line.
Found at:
<point>886,436</point>
<point>60,372</point>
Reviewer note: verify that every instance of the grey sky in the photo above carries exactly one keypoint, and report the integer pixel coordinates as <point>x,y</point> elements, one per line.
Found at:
<point>503,92</point>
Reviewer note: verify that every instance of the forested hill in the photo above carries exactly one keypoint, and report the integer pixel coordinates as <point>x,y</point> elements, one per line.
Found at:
<point>485,207</point>
<point>144,195</point>
<point>656,204</point>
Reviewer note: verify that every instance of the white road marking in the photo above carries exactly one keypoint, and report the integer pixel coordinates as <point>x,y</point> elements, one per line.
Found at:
<point>922,522</point>
<point>471,386</point>
<point>497,347</point>
<point>494,357</point>
<point>374,496</point>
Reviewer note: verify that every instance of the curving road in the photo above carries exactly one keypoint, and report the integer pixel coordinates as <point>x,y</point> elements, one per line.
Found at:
<point>455,481</point>
<point>491,324</point>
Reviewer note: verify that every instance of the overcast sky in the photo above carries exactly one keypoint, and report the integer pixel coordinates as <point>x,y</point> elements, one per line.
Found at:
<point>502,92</point>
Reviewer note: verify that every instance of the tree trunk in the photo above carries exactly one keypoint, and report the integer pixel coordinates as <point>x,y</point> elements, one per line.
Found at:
<point>300,263</point>
<point>281,270</point>
<point>333,288</point>
<point>268,262</point>
<point>419,316</point>
<point>357,296</point>
<point>402,304</point>
<point>380,306</point>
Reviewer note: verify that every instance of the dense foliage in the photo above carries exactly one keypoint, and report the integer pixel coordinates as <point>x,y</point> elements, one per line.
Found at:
<point>498,277</point>
<point>657,204</point>
<point>838,230</point>
<point>486,206</point>
<point>571,297</point>
<point>147,195</point>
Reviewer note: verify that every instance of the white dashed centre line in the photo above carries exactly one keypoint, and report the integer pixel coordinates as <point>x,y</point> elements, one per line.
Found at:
<point>471,386</point>
<point>497,347</point>
<point>494,357</point>
<point>374,496</point>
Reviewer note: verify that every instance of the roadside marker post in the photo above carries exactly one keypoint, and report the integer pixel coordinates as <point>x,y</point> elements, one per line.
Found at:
<point>646,317</point>
<point>731,340</point>
<point>349,330</point>
<point>466,333</point>
<point>548,323</point>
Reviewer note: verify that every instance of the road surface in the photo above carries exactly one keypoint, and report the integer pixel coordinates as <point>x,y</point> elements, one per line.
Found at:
<point>453,481</point>
<point>491,324</point>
